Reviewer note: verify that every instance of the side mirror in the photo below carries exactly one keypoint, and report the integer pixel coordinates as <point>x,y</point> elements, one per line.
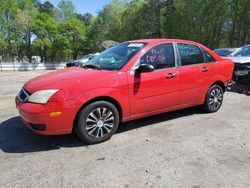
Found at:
<point>144,68</point>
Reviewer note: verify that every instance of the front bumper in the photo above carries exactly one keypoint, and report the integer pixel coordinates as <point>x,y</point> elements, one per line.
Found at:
<point>241,73</point>
<point>41,120</point>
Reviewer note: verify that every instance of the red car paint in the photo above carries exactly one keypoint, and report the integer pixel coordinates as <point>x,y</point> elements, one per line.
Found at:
<point>150,93</point>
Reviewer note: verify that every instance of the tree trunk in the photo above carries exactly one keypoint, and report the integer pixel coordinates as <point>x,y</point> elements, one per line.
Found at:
<point>29,48</point>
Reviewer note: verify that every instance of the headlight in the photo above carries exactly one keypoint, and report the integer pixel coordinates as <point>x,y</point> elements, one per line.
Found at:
<point>42,96</point>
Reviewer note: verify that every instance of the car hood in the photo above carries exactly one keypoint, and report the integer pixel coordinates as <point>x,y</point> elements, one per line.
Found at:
<point>240,59</point>
<point>64,78</point>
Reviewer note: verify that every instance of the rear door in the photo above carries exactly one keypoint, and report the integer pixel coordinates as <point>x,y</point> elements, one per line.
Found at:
<point>208,70</point>
<point>192,68</point>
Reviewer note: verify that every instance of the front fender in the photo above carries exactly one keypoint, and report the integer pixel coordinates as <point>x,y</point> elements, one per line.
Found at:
<point>121,96</point>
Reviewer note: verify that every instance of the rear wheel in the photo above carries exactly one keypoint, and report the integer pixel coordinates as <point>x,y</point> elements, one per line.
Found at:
<point>214,99</point>
<point>97,122</point>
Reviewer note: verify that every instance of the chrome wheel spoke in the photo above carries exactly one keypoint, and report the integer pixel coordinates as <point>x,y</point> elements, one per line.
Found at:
<point>107,130</point>
<point>109,125</point>
<point>98,112</point>
<point>213,93</point>
<point>91,120</point>
<point>107,115</point>
<point>104,111</point>
<point>93,116</point>
<point>109,119</point>
<point>101,132</point>
<point>92,131</point>
<point>97,133</point>
<point>89,127</point>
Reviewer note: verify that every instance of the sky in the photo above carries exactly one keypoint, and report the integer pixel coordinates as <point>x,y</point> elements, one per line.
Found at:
<point>85,6</point>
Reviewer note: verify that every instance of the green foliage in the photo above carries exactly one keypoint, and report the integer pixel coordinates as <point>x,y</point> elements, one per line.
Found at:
<point>45,29</point>
<point>67,8</point>
<point>29,27</point>
<point>74,32</point>
<point>46,7</point>
<point>107,25</point>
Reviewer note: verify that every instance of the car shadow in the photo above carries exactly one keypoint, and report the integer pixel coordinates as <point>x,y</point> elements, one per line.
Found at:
<point>239,88</point>
<point>16,138</point>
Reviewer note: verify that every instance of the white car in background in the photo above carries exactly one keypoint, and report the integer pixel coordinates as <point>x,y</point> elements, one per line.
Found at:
<point>82,60</point>
<point>241,59</point>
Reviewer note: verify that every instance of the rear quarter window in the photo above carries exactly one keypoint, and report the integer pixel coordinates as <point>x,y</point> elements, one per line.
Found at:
<point>208,57</point>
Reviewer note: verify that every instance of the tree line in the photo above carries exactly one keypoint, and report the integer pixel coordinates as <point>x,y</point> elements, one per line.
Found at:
<point>30,28</point>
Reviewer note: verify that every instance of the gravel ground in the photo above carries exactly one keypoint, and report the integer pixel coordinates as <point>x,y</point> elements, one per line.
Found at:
<point>185,148</point>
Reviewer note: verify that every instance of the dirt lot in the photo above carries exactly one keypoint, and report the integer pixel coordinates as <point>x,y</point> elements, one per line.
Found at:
<point>186,148</point>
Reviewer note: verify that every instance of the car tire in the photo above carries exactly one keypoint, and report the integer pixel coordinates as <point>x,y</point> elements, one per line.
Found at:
<point>214,99</point>
<point>97,122</point>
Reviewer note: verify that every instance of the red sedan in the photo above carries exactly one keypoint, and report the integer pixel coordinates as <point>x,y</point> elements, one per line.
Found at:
<point>131,80</point>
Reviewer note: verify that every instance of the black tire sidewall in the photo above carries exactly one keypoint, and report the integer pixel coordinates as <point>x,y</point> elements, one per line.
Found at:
<point>206,105</point>
<point>81,122</point>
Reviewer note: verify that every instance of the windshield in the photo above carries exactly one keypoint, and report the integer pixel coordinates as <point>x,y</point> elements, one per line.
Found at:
<point>242,52</point>
<point>116,57</point>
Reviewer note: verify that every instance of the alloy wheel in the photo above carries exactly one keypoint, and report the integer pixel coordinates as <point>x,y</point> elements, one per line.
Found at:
<point>215,99</point>
<point>99,122</point>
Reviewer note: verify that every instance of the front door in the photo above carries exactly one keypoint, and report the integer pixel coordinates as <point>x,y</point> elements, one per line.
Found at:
<point>157,90</point>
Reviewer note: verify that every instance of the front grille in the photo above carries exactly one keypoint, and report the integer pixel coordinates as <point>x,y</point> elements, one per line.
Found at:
<point>237,66</point>
<point>23,95</point>
<point>241,66</point>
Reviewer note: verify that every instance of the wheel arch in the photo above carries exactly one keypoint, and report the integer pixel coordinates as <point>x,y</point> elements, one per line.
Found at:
<point>220,83</point>
<point>101,98</point>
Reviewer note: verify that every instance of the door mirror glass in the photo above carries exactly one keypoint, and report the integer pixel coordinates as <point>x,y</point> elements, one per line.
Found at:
<point>144,68</point>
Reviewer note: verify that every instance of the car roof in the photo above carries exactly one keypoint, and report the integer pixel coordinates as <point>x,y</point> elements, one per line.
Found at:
<point>151,41</point>
<point>226,49</point>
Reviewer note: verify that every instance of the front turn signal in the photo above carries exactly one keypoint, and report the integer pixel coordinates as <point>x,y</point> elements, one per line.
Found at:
<point>55,114</point>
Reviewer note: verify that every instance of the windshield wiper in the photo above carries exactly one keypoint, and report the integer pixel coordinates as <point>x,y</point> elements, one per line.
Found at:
<point>91,66</point>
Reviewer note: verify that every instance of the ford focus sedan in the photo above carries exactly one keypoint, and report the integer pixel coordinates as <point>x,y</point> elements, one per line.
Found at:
<point>131,80</point>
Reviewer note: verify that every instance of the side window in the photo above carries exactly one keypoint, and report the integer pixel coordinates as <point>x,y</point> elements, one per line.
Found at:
<point>208,57</point>
<point>190,54</point>
<point>160,57</point>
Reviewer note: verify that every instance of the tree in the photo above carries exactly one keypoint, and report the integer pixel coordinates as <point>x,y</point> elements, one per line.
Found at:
<point>67,8</point>
<point>108,25</point>
<point>8,9</point>
<point>74,32</point>
<point>45,29</point>
<point>46,7</point>
<point>27,12</point>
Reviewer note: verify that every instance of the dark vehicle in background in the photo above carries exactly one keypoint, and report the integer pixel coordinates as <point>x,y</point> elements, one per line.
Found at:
<point>82,60</point>
<point>225,52</point>
<point>241,59</point>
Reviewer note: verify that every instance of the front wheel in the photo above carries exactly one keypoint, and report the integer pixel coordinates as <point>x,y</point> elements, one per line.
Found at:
<point>97,122</point>
<point>213,99</point>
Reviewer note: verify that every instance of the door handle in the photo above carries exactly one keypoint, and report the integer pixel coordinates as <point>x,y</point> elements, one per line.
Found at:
<point>171,75</point>
<point>204,69</point>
